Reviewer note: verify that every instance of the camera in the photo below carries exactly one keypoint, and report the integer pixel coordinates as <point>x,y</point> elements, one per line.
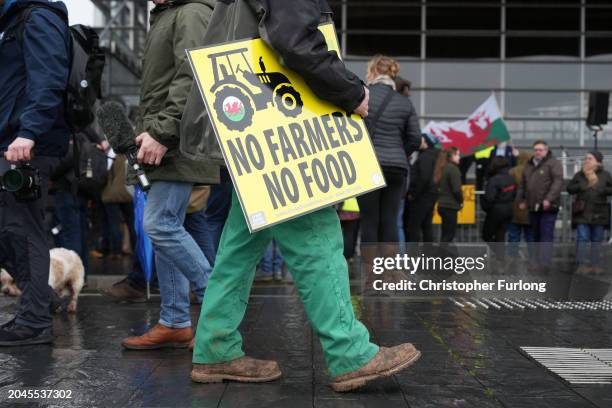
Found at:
<point>23,181</point>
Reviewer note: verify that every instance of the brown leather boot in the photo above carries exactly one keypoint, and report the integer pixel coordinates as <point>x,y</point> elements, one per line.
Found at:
<point>387,362</point>
<point>243,369</point>
<point>159,337</point>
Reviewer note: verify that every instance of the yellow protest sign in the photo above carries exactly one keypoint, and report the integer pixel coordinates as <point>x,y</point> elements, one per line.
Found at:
<point>288,152</point>
<point>467,215</point>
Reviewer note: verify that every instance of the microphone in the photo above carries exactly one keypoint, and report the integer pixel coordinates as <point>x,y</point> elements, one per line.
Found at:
<point>118,130</point>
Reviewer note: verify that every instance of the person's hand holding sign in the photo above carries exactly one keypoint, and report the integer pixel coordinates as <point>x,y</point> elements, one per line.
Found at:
<point>362,109</point>
<point>151,151</point>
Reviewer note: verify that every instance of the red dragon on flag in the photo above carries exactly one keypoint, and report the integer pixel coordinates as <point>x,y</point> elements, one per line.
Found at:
<point>483,128</point>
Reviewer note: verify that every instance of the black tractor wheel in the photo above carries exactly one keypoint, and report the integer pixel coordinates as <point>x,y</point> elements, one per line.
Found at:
<point>288,100</point>
<point>234,108</point>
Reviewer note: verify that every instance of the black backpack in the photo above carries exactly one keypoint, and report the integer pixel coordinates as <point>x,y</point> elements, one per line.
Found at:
<point>84,89</point>
<point>91,167</point>
<point>84,168</point>
<point>87,65</point>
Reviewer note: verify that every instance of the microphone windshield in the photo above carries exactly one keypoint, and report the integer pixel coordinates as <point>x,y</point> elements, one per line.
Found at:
<point>116,126</point>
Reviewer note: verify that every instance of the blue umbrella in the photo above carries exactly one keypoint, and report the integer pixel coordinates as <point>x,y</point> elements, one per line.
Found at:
<point>144,247</point>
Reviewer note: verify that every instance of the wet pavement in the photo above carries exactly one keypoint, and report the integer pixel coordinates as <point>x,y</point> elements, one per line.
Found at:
<point>471,357</point>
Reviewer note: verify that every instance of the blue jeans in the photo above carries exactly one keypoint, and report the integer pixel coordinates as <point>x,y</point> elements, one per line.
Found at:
<point>217,209</point>
<point>195,225</point>
<point>71,214</point>
<point>179,261</point>
<point>272,260</point>
<point>514,237</point>
<point>589,233</point>
<point>543,225</point>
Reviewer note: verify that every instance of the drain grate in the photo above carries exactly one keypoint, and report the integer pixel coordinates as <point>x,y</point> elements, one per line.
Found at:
<point>604,355</point>
<point>575,365</point>
<point>531,304</point>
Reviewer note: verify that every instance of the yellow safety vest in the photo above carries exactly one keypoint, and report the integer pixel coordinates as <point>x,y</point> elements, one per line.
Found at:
<point>484,153</point>
<point>350,205</point>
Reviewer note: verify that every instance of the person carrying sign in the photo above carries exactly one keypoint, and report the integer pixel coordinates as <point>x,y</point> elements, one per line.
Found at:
<point>311,244</point>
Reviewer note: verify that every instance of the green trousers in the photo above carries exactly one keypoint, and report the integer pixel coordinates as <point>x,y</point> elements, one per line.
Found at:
<point>312,248</point>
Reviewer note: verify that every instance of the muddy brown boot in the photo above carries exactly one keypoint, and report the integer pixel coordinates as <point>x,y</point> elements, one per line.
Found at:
<point>159,337</point>
<point>388,361</point>
<point>243,369</point>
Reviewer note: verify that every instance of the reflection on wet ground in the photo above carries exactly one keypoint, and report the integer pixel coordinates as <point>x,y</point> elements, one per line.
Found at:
<point>471,357</point>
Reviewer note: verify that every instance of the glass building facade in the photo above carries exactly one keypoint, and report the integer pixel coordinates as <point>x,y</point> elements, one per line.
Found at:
<point>540,58</point>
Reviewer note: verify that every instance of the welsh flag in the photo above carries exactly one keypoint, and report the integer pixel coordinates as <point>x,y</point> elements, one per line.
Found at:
<point>483,128</point>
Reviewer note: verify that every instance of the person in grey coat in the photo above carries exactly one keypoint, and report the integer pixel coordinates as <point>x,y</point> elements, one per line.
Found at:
<point>394,129</point>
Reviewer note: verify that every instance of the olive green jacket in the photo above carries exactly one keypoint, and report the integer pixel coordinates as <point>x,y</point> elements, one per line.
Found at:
<point>166,82</point>
<point>451,195</point>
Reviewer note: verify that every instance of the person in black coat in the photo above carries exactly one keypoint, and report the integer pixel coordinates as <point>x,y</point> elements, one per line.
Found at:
<point>498,200</point>
<point>590,212</point>
<point>422,195</point>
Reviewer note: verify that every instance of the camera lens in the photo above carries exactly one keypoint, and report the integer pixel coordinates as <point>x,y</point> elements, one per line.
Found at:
<point>13,180</point>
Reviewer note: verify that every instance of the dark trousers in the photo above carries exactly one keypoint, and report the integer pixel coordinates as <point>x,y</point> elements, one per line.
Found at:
<point>449,224</point>
<point>543,227</point>
<point>217,209</point>
<point>71,214</point>
<point>24,250</point>
<point>495,226</point>
<point>379,210</point>
<point>482,168</point>
<point>350,231</point>
<point>115,213</point>
<point>418,215</point>
<point>494,230</point>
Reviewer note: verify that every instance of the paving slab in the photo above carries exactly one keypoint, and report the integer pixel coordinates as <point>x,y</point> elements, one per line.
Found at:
<point>471,357</point>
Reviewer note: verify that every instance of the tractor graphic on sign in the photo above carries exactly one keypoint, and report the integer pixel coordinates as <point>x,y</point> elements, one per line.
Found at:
<point>235,101</point>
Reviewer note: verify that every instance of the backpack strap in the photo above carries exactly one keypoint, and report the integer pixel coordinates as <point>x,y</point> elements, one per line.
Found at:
<point>379,112</point>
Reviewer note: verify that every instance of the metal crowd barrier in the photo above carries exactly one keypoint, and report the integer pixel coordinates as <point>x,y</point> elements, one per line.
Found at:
<point>472,233</point>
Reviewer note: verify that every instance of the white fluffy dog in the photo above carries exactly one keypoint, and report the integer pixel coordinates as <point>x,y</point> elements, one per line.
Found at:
<point>66,277</point>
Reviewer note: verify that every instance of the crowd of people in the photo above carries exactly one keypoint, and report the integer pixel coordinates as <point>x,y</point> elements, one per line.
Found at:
<point>204,251</point>
<point>521,191</point>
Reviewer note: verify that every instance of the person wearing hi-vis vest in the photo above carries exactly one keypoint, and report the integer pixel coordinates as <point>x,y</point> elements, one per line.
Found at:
<point>311,244</point>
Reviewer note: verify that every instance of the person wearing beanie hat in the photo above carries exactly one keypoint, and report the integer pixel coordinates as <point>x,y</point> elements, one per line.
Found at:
<point>591,187</point>
<point>597,155</point>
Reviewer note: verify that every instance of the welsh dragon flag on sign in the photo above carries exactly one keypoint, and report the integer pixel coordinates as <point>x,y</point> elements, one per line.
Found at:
<point>485,127</point>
